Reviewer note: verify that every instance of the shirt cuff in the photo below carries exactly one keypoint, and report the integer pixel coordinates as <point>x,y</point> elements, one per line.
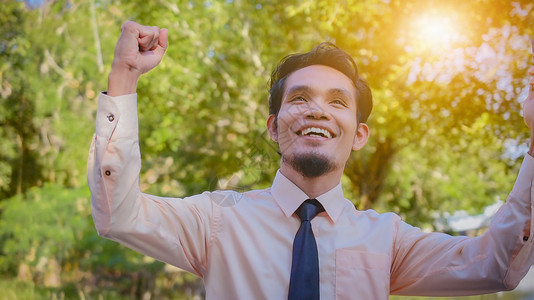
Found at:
<point>117,116</point>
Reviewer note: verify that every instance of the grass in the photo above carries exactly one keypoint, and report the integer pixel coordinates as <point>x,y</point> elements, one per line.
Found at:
<point>13,289</point>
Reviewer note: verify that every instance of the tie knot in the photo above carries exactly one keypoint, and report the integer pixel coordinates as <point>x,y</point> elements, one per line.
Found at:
<point>309,209</point>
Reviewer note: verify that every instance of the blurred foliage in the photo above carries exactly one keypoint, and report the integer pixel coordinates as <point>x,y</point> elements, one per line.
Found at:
<point>446,131</point>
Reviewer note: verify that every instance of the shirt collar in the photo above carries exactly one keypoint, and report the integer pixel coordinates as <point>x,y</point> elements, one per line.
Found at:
<point>289,197</point>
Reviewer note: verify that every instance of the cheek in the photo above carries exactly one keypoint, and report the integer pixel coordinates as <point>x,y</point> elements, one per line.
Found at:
<point>348,123</point>
<point>350,129</point>
<point>285,120</point>
<point>283,129</point>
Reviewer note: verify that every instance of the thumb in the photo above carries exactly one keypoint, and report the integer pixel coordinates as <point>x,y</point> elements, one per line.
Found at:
<point>163,42</point>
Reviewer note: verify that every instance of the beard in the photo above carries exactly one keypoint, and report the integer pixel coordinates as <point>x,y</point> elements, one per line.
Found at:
<point>310,165</point>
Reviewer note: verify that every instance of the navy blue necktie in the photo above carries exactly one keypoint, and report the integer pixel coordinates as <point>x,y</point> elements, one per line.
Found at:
<point>304,282</point>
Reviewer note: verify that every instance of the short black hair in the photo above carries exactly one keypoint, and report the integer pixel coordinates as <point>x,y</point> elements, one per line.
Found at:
<point>326,54</point>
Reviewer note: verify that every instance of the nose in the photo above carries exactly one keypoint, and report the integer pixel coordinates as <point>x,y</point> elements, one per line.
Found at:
<point>315,111</point>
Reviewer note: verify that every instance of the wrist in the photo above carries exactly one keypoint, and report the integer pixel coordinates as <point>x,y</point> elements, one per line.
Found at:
<point>122,82</point>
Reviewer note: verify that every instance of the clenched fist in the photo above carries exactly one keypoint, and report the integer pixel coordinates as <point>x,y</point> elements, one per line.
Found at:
<point>138,50</point>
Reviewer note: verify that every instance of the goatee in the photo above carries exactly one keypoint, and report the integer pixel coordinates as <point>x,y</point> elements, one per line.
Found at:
<point>311,164</point>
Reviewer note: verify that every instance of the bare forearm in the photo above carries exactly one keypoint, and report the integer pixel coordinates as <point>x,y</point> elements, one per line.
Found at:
<point>122,82</point>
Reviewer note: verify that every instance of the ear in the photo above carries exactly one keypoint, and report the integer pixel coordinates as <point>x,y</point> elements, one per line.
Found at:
<point>272,127</point>
<point>361,137</point>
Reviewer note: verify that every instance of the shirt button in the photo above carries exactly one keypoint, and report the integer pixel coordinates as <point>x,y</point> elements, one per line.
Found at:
<point>111,117</point>
<point>525,238</point>
<point>108,172</point>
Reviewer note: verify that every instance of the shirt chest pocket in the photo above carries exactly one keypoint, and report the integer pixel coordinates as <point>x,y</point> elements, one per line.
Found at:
<point>361,275</point>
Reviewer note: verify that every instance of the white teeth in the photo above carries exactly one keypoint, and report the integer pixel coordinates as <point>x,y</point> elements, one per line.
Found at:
<point>316,132</point>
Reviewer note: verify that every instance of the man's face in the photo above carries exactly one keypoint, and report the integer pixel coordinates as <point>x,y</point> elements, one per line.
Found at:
<point>318,117</point>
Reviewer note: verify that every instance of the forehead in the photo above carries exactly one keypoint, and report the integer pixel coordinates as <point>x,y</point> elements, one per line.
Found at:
<point>320,78</point>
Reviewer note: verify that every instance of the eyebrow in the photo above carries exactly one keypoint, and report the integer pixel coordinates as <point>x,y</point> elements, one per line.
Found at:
<point>299,89</point>
<point>342,92</point>
<point>309,90</point>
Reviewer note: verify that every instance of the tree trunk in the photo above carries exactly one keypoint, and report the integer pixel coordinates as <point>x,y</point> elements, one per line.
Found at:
<point>368,171</point>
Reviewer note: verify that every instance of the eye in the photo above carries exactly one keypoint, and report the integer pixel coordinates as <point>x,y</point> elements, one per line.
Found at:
<point>339,102</point>
<point>298,99</point>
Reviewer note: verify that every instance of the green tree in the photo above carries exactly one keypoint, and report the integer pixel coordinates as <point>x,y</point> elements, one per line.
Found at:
<point>445,115</point>
<point>439,108</point>
<point>51,65</point>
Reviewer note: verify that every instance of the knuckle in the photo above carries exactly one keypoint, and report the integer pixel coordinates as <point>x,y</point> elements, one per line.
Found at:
<point>151,30</point>
<point>129,26</point>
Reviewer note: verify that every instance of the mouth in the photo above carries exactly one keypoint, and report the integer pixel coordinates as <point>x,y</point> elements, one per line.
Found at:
<point>316,132</point>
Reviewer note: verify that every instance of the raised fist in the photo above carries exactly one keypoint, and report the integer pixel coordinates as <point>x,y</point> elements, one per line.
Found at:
<point>138,50</point>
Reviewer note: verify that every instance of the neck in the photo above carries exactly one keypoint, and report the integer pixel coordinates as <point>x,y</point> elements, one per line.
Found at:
<point>315,186</point>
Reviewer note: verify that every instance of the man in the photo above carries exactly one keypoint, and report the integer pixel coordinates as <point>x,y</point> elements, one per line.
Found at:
<point>299,239</point>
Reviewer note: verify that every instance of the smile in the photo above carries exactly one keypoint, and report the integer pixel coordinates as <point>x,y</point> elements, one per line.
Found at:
<point>315,132</point>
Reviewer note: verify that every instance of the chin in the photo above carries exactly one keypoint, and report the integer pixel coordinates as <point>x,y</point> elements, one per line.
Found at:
<point>310,165</point>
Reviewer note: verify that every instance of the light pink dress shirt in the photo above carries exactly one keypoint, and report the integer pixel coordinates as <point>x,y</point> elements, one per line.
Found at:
<point>241,243</point>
